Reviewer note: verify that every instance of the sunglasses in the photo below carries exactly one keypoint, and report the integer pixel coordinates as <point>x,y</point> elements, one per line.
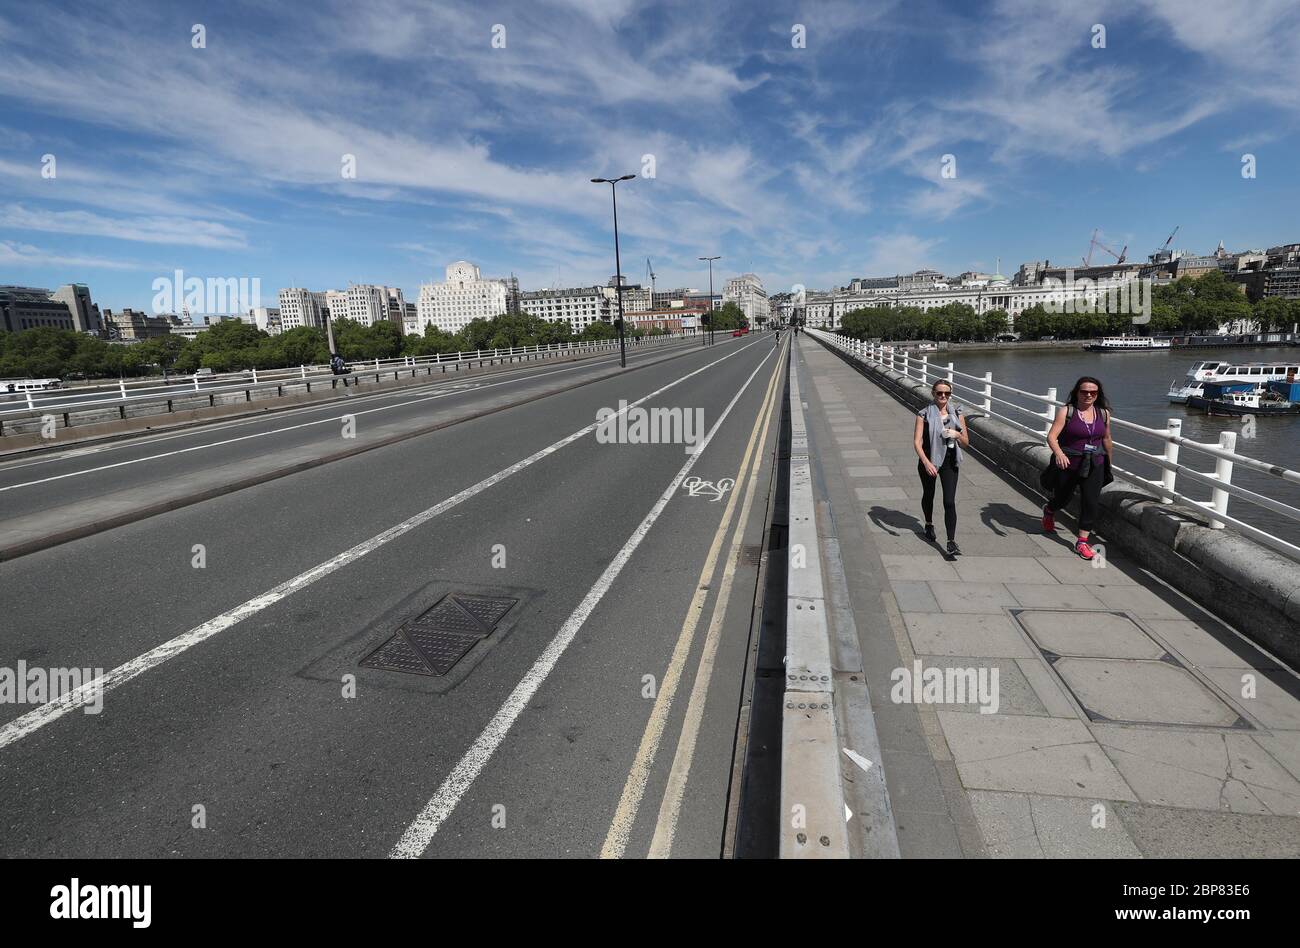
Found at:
<point>942,394</point>
<point>1091,393</point>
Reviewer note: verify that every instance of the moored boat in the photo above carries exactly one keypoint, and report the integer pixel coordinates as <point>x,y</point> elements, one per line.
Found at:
<point>1243,398</point>
<point>1127,344</point>
<point>1256,373</point>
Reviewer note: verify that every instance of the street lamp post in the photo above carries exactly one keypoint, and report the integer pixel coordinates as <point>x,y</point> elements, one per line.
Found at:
<point>710,259</point>
<point>618,269</point>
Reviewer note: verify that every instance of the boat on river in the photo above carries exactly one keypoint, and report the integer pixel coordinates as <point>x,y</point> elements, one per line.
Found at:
<point>1245,398</point>
<point>1257,373</point>
<point>1128,344</point>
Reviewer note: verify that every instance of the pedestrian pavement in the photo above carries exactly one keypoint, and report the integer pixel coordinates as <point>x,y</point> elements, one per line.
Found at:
<point>1118,718</point>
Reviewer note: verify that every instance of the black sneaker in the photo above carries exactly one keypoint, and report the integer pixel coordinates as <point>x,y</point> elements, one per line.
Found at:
<point>929,532</point>
<point>952,548</point>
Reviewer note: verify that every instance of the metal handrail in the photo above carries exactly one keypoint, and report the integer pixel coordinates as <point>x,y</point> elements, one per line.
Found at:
<point>56,405</point>
<point>1219,481</point>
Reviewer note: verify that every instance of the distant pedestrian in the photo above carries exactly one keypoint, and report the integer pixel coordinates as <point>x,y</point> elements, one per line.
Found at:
<point>1081,447</point>
<point>938,439</point>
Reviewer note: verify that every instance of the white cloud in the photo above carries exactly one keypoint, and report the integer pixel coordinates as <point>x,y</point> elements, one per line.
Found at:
<point>154,230</point>
<point>898,253</point>
<point>25,255</point>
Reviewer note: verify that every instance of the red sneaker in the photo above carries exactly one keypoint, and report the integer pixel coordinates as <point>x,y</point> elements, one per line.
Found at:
<point>1081,547</point>
<point>1049,520</point>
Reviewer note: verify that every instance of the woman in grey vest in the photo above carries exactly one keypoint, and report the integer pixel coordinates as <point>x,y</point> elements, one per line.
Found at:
<point>940,435</point>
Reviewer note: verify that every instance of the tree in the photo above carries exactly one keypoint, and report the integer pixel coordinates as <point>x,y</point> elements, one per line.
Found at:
<point>431,342</point>
<point>729,317</point>
<point>163,351</point>
<point>598,331</point>
<point>994,323</point>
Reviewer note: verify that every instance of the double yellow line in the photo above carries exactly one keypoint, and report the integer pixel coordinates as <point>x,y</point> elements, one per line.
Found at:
<point>620,828</point>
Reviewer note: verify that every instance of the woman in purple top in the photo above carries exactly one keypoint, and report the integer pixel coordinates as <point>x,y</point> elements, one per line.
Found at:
<point>1081,445</point>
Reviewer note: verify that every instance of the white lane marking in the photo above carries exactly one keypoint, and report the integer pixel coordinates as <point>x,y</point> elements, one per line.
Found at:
<point>670,807</point>
<point>27,723</point>
<point>274,431</point>
<point>441,384</point>
<point>420,833</point>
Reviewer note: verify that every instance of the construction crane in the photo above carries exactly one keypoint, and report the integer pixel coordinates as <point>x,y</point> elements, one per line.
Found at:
<point>1170,240</point>
<point>1094,243</point>
<point>649,268</point>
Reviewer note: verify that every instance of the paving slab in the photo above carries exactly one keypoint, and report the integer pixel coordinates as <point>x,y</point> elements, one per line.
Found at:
<point>1267,700</point>
<point>1029,826</point>
<point>1096,634</point>
<point>1001,569</point>
<point>1140,602</point>
<point>1200,770</point>
<point>1031,755</point>
<point>1164,833</point>
<point>1208,643</point>
<point>1075,570</point>
<point>1041,596</point>
<point>868,471</point>
<point>879,493</point>
<point>917,566</point>
<point>1144,692</point>
<point>972,597</point>
<point>914,596</point>
<point>989,636</point>
<point>1015,695</point>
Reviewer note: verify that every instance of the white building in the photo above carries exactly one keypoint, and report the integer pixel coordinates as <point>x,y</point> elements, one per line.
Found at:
<point>300,307</point>
<point>464,296</point>
<point>365,303</point>
<point>636,298</point>
<point>265,318</point>
<point>336,304</point>
<point>747,292</point>
<point>827,310</point>
<point>578,306</point>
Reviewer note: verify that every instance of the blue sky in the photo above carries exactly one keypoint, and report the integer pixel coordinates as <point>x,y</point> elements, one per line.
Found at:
<point>809,165</point>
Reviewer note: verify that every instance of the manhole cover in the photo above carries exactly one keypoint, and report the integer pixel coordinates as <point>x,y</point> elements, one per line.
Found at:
<point>435,640</point>
<point>1119,674</point>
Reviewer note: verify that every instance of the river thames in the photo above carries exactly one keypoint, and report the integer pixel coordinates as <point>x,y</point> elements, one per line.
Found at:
<point>1137,383</point>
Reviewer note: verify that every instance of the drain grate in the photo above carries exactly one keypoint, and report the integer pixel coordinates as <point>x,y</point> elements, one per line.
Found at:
<point>435,640</point>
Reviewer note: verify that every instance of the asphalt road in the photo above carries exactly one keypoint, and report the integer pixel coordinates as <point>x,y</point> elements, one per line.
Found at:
<point>232,725</point>
<point>79,475</point>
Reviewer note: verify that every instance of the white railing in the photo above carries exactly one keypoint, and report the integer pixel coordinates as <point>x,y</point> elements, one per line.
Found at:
<point>1037,417</point>
<point>129,393</point>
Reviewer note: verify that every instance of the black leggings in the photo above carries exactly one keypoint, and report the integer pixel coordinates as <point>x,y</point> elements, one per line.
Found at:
<point>948,475</point>
<point>1089,494</point>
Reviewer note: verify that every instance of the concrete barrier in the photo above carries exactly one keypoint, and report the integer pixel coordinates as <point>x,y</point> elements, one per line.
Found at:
<point>1250,587</point>
<point>812,789</point>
